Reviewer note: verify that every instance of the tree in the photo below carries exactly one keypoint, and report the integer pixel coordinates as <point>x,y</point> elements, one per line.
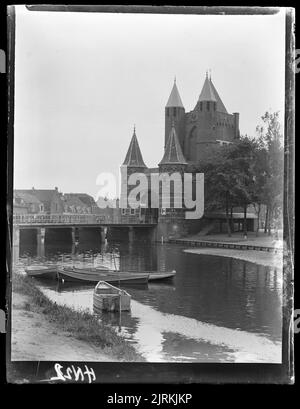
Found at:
<point>271,147</point>
<point>249,171</point>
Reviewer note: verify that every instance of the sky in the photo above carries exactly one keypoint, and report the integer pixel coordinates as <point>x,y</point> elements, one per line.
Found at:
<point>83,80</point>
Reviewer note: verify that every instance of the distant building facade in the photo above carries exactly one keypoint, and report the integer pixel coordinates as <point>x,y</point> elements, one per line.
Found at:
<point>51,201</point>
<point>39,201</point>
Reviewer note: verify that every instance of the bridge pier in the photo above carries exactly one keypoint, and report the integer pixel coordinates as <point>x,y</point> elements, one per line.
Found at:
<point>131,234</point>
<point>75,235</point>
<point>103,231</point>
<point>41,232</point>
<point>40,239</point>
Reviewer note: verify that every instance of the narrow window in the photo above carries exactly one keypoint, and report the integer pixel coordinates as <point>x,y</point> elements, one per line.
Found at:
<point>123,212</point>
<point>215,106</point>
<point>207,105</point>
<point>167,110</point>
<point>132,212</point>
<point>201,106</point>
<point>174,111</point>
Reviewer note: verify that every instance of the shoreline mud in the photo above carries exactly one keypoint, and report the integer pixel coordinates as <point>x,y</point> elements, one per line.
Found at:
<point>253,256</point>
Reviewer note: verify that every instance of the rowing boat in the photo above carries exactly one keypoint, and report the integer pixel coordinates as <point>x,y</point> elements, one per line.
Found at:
<point>42,271</point>
<point>153,275</point>
<point>106,297</point>
<point>74,274</point>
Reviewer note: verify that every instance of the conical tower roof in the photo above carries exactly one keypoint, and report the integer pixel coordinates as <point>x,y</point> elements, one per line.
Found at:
<point>134,156</point>
<point>207,93</point>
<point>173,153</point>
<point>220,105</point>
<point>174,98</point>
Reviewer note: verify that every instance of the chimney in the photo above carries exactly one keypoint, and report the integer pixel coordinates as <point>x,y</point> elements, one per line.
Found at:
<point>56,188</point>
<point>32,187</point>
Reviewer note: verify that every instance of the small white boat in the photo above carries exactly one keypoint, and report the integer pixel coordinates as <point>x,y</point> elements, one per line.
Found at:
<point>106,297</point>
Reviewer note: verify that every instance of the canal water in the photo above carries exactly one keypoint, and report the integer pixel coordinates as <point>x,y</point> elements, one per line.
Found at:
<point>216,309</point>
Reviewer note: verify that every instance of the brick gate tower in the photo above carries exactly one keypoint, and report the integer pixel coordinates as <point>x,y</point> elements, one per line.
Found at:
<point>189,138</point>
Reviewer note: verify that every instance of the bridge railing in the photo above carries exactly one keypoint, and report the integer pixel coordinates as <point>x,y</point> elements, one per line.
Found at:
<point>58,219</point>
<point>37,219</point>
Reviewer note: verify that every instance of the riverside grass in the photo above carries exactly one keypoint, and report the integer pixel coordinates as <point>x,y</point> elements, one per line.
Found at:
<point>79,324</point>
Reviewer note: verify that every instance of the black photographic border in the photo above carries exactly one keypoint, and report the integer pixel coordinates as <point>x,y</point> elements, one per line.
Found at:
<point>172,373</point>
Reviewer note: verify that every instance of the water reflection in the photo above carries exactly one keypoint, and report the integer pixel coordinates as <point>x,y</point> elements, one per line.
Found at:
<point>194,317</point>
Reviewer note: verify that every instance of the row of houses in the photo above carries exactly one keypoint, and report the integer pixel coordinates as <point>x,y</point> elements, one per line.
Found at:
<point>51,201</point>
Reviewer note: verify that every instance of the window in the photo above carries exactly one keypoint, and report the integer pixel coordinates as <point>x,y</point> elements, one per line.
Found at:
<point>215,106</point>
<point>167,111</point>
<point>207,105</point>
<point>163,211</point>
<point>41,207</point>
<point>174,111</point>
<point>123,211</point>
<point>201,106</point>
<point>132,212</point>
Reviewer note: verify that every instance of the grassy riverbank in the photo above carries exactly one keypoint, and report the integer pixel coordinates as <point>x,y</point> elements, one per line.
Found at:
<point>79,325</point>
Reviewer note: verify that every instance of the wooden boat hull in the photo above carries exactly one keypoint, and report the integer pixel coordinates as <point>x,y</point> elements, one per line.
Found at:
<point>42,272</point>
<point>161,276</point>
<point>86,276</point>
<point>153,275</point>
<point>109,298</point>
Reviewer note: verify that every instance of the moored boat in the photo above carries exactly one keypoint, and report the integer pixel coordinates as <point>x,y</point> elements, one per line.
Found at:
<point>74,274</point>
<point>153,275</point>
<point>42,271</point>
<point>106,297</point>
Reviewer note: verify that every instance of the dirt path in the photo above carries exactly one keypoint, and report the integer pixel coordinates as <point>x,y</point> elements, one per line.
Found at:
<point>259,257</point>
<point>34,338</point>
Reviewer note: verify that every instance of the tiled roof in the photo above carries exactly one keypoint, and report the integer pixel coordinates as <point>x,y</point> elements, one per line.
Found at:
<point>84,198</point>
<point>43,195</point>
<point>207,93</point>
<point>220,105</point>
<point>173,153</point>
<point>72,200</point>
<point>134,156</point>
<point>174,98</point>
<point>26,196</point>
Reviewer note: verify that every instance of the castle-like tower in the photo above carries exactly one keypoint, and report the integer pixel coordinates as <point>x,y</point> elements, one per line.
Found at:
<point>189,136</point>
<point>207,124</point>
<point>133,163</point>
